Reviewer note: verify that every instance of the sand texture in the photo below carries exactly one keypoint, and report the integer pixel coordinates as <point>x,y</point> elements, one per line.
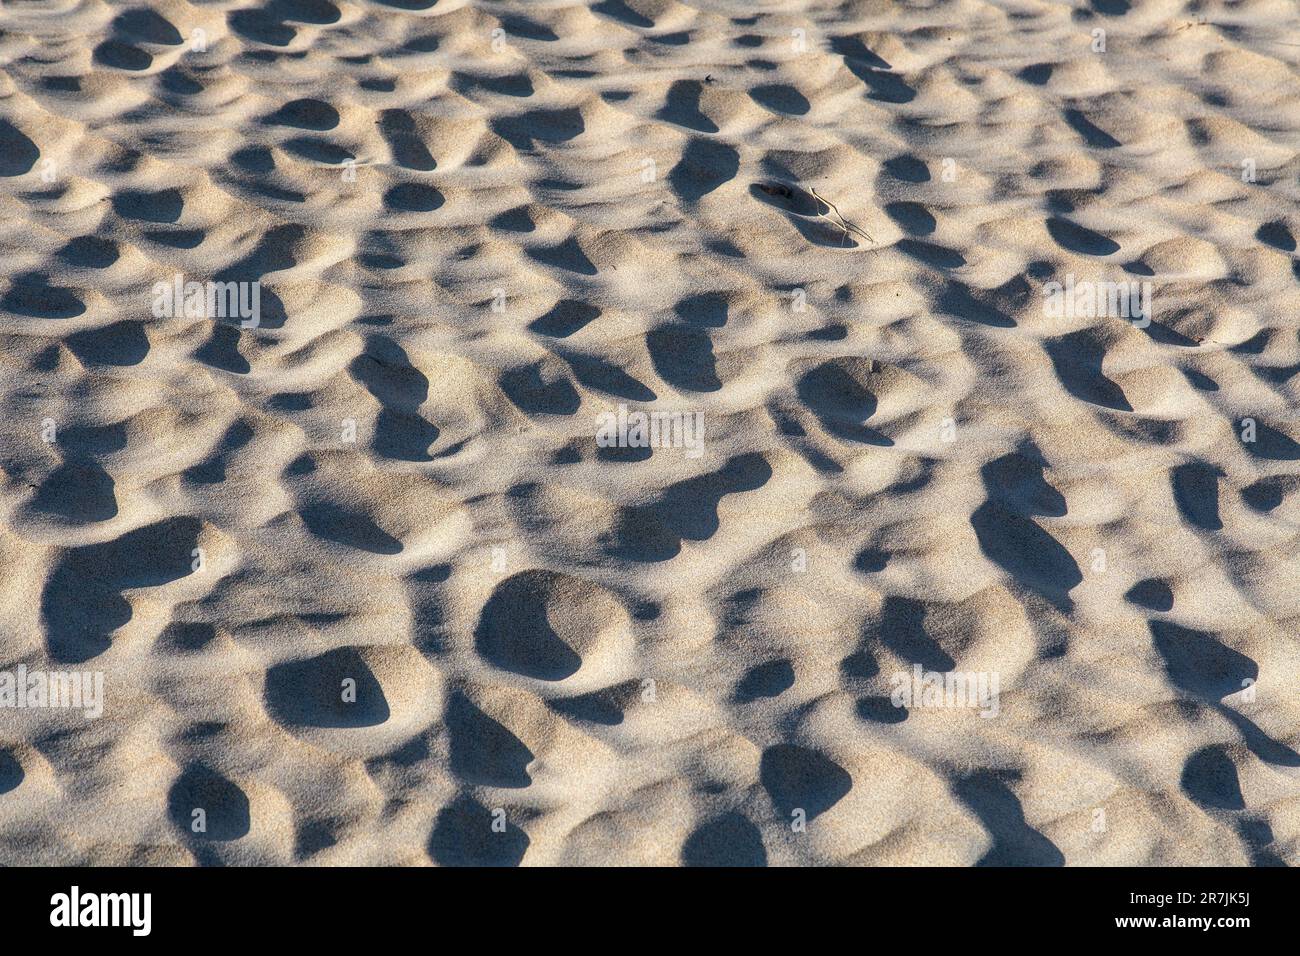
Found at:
<point>365,586</point>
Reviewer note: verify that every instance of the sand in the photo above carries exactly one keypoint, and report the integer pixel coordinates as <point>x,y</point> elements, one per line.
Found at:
<point>941,553</point>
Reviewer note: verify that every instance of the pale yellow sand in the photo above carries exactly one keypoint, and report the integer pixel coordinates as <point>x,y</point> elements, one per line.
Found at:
<point>479,226</point>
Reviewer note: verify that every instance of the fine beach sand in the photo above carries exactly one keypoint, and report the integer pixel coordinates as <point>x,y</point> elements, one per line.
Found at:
<point>364,588</point>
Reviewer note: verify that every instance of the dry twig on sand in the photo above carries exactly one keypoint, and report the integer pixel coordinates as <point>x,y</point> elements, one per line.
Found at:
<point>808,203</point>
<point>843,223</point>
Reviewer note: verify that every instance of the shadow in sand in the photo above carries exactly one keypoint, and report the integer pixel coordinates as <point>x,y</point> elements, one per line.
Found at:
<point>386,371</point>
<point>307,693</point>
<point>683,357</point>
<point>603,707</point>
<point>483,752</point>
<point>1260,841</point>
<point>18,154</point>
<point>83,603</point>
<point>912,217</point>
<point>726,840</point>
<point>1202,666</point>
<point>958,300</point>
<point>1017,491</point>
<point>1272,445</point>
<point>1093,135</point>
<point>212,470</point>
<point>764,680</point>
<point>1077,359</point>
<point>1075,238</point>
<point>225,807</point>
<point>120,344</point>
<point>549,127</point>
<point>11,772</point>
<point>705,165</point>
<point>567,255</point>
<point>465,835</point>
<point>399,130</point>
<point>1210,779</point>
<point>931,254</point>
<point>902,630</point>
<point>1276,234</point>
<point>885,86</point>
<point>798,778</point>
<point>682,107</point>
<point>79,491</point>
<point>514,632</point>
<point>565,318</point>
<point>1015,842</point>
<point>1196,493</point>
<point>31,294</point>
<point>1152,594</point>
<point>596,373</point>
<point>842,402</point>
<point>687,510</point>
<point>90,252</point>
<point>536,389</point>
<point>221,351</point>
<point>781,98</point>
<point>269,23</point>
<point>351,529</point>
<point>620,11</point>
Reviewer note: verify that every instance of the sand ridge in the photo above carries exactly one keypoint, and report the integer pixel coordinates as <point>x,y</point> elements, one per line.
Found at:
<point>476,227</point>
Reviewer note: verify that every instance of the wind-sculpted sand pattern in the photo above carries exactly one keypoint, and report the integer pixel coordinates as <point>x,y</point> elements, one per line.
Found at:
<point>362,583</point>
